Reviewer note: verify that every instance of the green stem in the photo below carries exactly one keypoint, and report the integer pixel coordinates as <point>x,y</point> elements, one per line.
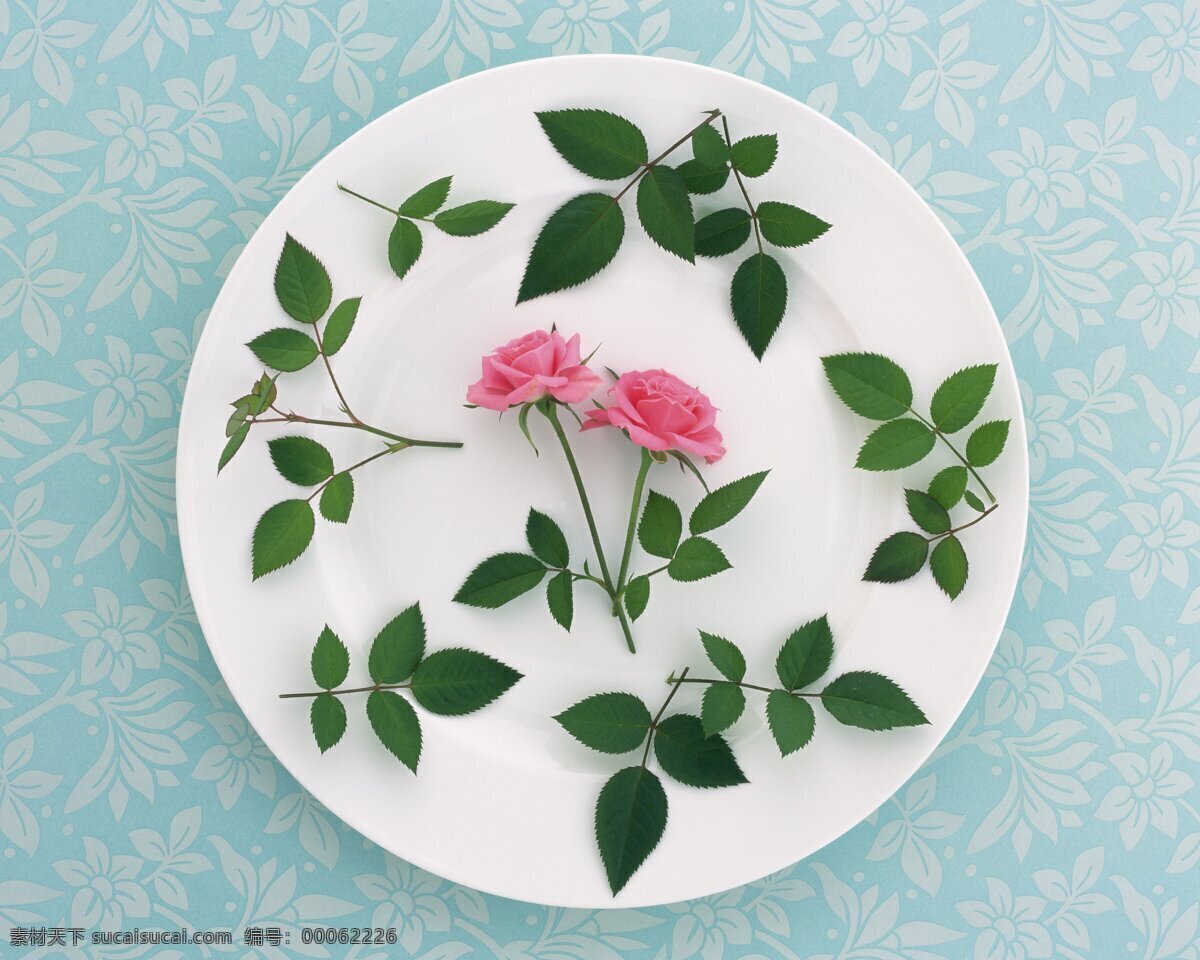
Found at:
<point>954,530</point>
<point>370,689</point>
<point>638,487</point>
<point>661,711</point>
<point>742,684</point>
<point>954,450</point>
<point>650,165</point>
<point>750,208</point>
<point>361,463</point>
<point>374,203</point>
<point>290,417</point>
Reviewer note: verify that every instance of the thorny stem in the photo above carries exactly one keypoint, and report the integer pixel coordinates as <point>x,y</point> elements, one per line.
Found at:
<point>954,530</point>
<point>332,379</point>
<point>361,463</point>
<point>370,689</point>
<point>751,209</point>
<point>954,450</point>
<point>650,165</point>
<point>290,417</point>
<point>661,711</point>
<point>740,683</point>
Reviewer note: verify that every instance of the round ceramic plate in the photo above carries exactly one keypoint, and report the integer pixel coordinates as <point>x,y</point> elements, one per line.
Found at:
<point>504,800</point>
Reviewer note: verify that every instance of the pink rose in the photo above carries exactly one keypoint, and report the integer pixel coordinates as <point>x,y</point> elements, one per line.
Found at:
<point>531,367</point>
<point>661,412</point>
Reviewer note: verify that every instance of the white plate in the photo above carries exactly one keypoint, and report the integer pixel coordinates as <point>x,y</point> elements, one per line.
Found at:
<point>504,801</point>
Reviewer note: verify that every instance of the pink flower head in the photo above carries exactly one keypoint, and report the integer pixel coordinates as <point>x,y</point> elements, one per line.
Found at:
<point>531,367</point>
<point>660,412</point>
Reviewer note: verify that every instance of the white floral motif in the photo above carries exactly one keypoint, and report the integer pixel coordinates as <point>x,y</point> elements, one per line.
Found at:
<point>1170,293</point>
<point>129,389</point>
<point>265,19</point>
<point>408,899</point>
<point>116,638</point>
<point>140,138</point>
<point>572,26</point>
<point>1173,51</point>
<point>879,35</point>
<point>1147,797</point>
<point>1159,544</point>
<point>1010,928</point>
<point>1021,681</point>
<point>107,890</point>
<point>239,758</point>
<point>1042,180</point>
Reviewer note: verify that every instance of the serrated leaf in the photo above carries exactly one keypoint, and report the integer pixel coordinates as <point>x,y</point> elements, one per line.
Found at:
<point>608,722</point>
<point>661,526</point>
<point>709,148</point>
<point>631,815</point>
<point>398,647</point>
<point>546,540</point>
<point>961,396</point>
<point>301,283</point>
<point>758,298</point>
<point>454,682</point>
<point>722,232</point>
<point>284,349</point>
<point>330,660</point>
<point>926,512</point>
<point>786,225</point>
<point>986,442</point>
<point>338,497</point>
<point>578,241</point>
<point>396,725</point>
<point>699,179</point>
<point>601,144</point>
<point>895,445</point>
<point>973,501</point>
<point>637,595</point>
<point>282,533</point>
<point>472,219</point>
<point>869,384</point>
<point>791,720</point>
<point>339,325</point>
<point>724,655</point>
<point>665,211</point>
<point>871,701</point>
<point>805,655</point>
<point>687,755</point>
<point>428,199</point>
<point>754,156</point>
<point>301,460</point>
<point>560,596</point>
<point>721,706</point>
<point>948,564</point>
<point>697,558</point>
<point>900,556</point>
<point>948,486</point>
<point>233,445</point>
<point>499,579</point>
<point>328,718</point>
<point>723,504</point>
<point>404,246</point>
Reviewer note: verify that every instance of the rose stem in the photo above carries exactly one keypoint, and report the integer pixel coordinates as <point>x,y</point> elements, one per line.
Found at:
<point>638,487</point>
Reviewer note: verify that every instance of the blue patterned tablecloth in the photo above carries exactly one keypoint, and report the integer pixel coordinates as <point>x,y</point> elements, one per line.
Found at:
<point>141,144</point>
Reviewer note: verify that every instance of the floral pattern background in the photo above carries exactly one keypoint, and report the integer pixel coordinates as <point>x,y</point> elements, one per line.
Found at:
<point>141,144</point>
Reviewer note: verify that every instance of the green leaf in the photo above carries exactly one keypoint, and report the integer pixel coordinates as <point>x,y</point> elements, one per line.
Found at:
<point>699,179</point>
<point>900,556</point>
<point>805,655</point>
<point>338,497</point>
<point>661,526</point>
<point>631,815</point>
<point>687,755</point>
<point>709,148</point>
<point>262,395</point>
<point>560,595</point>
<point>724,655</point>
<point>546,540</point>
<point>428,199</point>
<point>754,156</point>
<point>456,681</point>
<point>637,595</point>
<point>722,232</point>
<point>330,660</point>
<point>284,349</point>
<point>697,558</point>
<point>665,210</point>
<point>948,564</point>
<point>523,423</point>
<point>723,504</point>
<point>339,325</point>
<point>961,396</point>
<point>601,144</point>
<point>232,445</point>
<point>758,297</point>
<point>499,579</point>
<point>975,503</point>
<point>787,226</point>
<point>895,445</point>
<point>577,242</point>
<point>398,647</point>
<point>949,485</point>
<point>328,718</point>
<point>870,701</point>
<point>281,535</point>
<point>986,442</point>
<point>723,703</point>
<point>404,246</point>
<point>472,219</point>
<point>869,384</point>
<point>395,723</point>
<point>791,720</point>
<point>608,722</point>
<point>301,460</point>
<point>301,284</point>
<point>926,512</point>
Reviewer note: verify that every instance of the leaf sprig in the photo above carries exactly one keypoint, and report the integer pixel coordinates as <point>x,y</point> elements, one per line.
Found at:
<point>583,235</point>
<point>305,293</point>
<point>451,683</point>
<point>877,388</point>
